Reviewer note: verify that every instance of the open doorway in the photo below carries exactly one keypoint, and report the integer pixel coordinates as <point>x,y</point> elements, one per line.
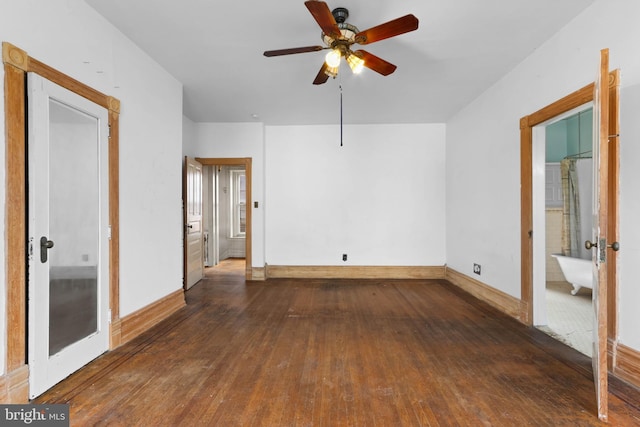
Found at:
<point>567,311</point>
<point>532,166</point>
<point>232,174</point>
<point>224,215</point>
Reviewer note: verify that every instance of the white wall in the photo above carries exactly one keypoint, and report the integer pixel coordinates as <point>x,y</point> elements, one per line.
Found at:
<point>379,198</point>
<point>629,315</point>
<point>73,38</point>
<point>150,182</point>
<point>381,195</point>
<point>223,140</point>
<point>483,164</point>
<point>188,137</point>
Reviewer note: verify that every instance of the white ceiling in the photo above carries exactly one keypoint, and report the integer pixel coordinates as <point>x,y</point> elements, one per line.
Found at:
<point>215,49</point>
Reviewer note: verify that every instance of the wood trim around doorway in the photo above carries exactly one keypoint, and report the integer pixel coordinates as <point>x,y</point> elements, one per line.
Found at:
<point>527,123</point>
<point>17,64</point>
<point>250,274</point>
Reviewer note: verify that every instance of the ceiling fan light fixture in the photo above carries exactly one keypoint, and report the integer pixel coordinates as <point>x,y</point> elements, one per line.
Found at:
<point>355,63</point>
<point>339,36</point>
<point>331,71</point>
<point>333,58</point>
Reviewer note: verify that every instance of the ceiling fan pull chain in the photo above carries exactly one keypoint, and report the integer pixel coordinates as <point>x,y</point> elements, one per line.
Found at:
<point>340,115</point>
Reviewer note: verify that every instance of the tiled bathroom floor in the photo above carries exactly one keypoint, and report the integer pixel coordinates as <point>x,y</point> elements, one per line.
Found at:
<point>570,317</point>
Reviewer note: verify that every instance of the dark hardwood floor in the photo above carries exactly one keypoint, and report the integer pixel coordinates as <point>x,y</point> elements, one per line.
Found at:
<point>334,353</point>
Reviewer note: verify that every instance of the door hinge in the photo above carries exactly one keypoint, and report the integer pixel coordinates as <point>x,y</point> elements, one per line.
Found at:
<point>109,232</point>
<point>30,249</point>
<point>109,132</point>
<point>109,315</point>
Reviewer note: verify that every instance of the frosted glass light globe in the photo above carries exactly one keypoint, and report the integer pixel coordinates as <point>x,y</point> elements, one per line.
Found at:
<point>333,58</point>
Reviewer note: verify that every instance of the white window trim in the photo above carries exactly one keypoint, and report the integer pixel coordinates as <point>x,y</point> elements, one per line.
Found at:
<point>234,177</point>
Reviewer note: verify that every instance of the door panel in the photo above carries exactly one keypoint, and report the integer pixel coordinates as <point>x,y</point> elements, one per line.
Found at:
<point>68,298</point>
<point>193,238</point>
<point>600,226</point>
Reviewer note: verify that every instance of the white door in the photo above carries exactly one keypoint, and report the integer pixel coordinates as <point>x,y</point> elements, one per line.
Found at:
<point>599,244</point>
<point>193,238</point>
<point>68,292</point>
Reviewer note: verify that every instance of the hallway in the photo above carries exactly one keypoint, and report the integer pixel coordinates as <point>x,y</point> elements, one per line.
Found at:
<point>337,352</point>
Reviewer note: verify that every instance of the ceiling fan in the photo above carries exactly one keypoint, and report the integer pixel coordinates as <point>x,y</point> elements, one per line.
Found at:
<point>339,36</point>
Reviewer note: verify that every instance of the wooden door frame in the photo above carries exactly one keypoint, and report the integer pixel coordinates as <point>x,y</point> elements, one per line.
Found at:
<point>17,63</point>
<point>527,123</point>
<point>246,162</point>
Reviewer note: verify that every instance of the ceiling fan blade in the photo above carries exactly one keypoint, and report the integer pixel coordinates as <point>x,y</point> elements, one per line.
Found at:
<point>293,50</point>
<point>323,16</point>
<point>321,77</point>
<point>389,29</point>
<point>376,64</point>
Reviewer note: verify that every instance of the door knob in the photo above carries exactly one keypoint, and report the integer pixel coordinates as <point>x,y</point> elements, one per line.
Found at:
<point>45,245</point>
<point>615,245</point>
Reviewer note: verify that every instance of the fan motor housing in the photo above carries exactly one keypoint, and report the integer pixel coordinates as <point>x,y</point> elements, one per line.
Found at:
<point>348,31</point>
<point>340,14</point>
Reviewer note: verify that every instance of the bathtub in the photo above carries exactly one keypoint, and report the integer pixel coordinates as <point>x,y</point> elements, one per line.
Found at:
<point>577,271</point>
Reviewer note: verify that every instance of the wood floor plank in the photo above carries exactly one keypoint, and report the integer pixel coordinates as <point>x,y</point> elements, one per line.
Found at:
<point>294,352</point>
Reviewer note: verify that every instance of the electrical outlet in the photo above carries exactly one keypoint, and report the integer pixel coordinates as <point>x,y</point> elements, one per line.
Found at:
<point>344,257</point>
<point>476,269</point>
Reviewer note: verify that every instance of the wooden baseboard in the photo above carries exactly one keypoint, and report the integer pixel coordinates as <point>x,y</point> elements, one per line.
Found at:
<point>139,321</point>
<point>258,273</point>
<point>627,364</point>
<point>504,302</point>
<point>14,386</point>
<point>115,337</point>
<point>354,272</point>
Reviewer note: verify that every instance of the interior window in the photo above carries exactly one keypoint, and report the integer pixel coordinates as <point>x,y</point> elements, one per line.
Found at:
<point>238,204</point>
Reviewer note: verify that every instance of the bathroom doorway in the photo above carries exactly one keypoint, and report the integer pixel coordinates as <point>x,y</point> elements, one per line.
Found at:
<point>532,166</point>
<point>604,93</point>
<point>567,314</point>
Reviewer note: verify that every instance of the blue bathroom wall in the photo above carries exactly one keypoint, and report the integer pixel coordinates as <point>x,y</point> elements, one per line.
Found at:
<point>572,136</point>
